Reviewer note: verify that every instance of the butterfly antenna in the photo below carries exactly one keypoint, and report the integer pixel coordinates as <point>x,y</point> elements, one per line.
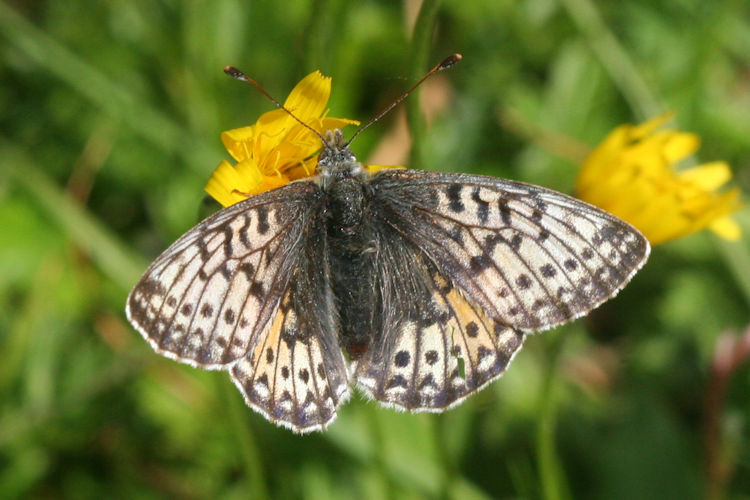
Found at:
<point>444,64</point>
<point>239,75</point>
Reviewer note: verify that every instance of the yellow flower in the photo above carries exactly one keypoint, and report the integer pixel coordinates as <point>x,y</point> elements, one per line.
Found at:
<point>631,174</point>
<point>277,149</point>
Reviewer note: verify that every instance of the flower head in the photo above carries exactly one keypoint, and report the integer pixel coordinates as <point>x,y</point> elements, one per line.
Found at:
<point>631,174</point>
<point>277,149</point>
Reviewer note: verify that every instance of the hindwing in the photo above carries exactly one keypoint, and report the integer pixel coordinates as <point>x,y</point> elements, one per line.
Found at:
<point>296,374</point>
<point>435,347</point>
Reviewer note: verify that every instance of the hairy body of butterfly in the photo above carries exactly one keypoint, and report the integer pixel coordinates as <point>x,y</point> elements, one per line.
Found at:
<point>428,281</point>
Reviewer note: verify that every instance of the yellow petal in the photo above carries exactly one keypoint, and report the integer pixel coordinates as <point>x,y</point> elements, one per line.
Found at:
<point>678,146</point>
<point>726,228</point>
<point>310,97</point>
<point>237,140</point>
<point>223,184</point>
<point>709,176</point>
<point>632,175</point>
<point>648,128</point>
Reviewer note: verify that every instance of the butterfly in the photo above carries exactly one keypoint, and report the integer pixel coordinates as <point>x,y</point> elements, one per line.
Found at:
<point>418,287</point>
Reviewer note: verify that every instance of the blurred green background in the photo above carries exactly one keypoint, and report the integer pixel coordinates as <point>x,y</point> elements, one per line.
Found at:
<point>110,123</point>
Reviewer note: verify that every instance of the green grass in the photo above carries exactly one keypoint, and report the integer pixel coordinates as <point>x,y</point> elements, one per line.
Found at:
<point>110,123</point>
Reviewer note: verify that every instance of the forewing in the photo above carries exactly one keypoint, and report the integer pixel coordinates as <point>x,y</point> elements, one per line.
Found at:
<point>529,257</point>
<point>436,347</point>
<point>208,297</point>
<point>296,374</point>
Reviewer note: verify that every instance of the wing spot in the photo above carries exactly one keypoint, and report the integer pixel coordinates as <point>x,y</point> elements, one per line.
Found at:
<point>536,215</point>
<point>587,253</point>
<point>397,381</point>
<point>225,271</point>
<point>309,397</point>
<point>482,206</point>
<point>428,381</point>
<point>402,359</point>
<point>304,375</point>
<point>247,268</point>
<point>504,292</point>
<point>321,370</point>
<point>472,329</point>
<point>456,235</point>
<point>479,263</point>
<point>504,210</point>
<point>431,357</point>
<point>515,241</point>
<point>498,329</point>
<point>202,275</point>
<point>256,289</point>
<point>262,219</point>
<point>285,372</point>
<point>221,342</point>
<point>171,302</point>
<point>186,309</point>
<point>491,241</point>
<point>570,265</point>
<point>523,281</point>
<point>229,316</point>
<point>548,271</point>
<point>543,235</point>
<point>454,196</point>
<point>203,249</point>
<point>483,352</point>
<point>269,355</point>
<point>207,311</point>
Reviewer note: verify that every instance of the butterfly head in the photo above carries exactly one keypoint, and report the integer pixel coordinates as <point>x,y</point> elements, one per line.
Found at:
<point>336,161</point>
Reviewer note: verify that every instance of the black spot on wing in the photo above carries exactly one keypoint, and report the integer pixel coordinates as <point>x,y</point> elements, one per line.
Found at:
<point>454,198</point>
<point>482,206</point>
<point>262,213</point>
<point>504,210</point>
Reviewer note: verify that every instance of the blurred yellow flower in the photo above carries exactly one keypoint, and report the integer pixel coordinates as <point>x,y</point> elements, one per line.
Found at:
<point>631,174</point>
<point>277,149</point>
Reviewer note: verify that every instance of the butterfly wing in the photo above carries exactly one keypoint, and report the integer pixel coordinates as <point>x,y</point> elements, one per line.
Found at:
<point>468,263</point>
<point>296,375</point>
<point>206,300</point>
<point>247,290</point>
<point>434,347</point>
<point>529,257</point>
